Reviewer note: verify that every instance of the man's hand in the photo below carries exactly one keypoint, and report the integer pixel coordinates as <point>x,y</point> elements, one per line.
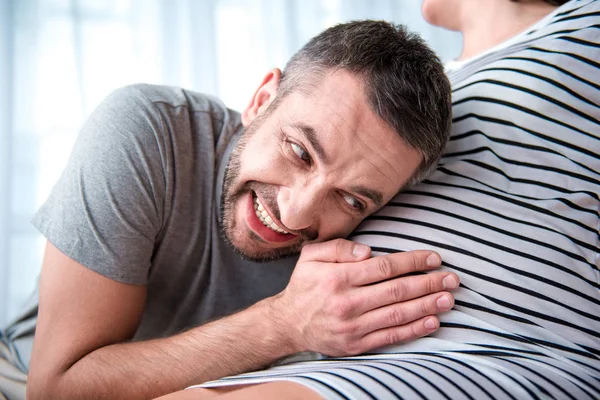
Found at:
<point>339,302</point>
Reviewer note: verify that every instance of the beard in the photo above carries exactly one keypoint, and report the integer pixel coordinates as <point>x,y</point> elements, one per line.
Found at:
<point>231,194</point>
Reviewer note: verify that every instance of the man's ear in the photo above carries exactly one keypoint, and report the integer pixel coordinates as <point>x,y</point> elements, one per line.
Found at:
<point>263,96</point>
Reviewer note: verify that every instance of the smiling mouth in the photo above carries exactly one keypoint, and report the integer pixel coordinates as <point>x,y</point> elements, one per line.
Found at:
<point>264,217</point>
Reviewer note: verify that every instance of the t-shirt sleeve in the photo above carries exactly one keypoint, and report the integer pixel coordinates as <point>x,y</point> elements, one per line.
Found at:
<point>105,212</point>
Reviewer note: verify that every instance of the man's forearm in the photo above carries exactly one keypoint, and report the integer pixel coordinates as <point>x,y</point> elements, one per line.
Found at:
<point>244,341</point>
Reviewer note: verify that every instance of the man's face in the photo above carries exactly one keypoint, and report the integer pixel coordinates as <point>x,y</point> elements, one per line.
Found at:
<point>310,171</point>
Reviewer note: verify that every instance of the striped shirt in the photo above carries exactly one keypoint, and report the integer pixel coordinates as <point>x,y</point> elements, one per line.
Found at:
<point>514,210</point>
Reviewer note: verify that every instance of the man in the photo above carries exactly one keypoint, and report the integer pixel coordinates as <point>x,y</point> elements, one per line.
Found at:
<point>136,267</point>
<point>513,208</point>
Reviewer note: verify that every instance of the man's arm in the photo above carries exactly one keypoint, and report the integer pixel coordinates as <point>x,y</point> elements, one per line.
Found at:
<point>331,306</point>
<point>85,321</point>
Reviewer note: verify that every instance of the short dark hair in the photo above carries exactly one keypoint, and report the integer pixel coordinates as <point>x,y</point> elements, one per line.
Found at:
<point>403,79</point>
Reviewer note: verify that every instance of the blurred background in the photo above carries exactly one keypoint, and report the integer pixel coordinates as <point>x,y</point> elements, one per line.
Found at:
<point>60,58</point>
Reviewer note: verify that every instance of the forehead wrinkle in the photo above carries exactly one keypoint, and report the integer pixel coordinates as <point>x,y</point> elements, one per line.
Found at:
<point>351,108</point>
<point>388,164</point>
<point>355,135</point>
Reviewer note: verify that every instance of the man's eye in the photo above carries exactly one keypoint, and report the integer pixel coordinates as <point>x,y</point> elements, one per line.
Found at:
<point>357,205</point>
<point>301,153</point>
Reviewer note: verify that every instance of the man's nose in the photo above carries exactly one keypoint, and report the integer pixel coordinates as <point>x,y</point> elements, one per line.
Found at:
<point>298,206</point>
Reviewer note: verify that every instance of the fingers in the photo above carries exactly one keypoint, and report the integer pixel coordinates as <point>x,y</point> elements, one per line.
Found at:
<point>338,251</point>
<point>398,334</point>
<point>382,268</point>
<point>396,315</point>
<point>402,289</point>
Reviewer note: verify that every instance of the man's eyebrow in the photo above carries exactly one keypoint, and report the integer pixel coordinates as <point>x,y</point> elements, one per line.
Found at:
<point>375,196</point>
<point>311,135</point>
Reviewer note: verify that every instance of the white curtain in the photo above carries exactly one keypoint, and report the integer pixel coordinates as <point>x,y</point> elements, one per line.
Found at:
<point>60,58</point>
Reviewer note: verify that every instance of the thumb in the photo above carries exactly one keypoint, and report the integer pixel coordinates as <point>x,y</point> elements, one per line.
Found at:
<point>338,251</point>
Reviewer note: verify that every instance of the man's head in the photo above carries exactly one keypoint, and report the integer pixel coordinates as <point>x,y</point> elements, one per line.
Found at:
<point>359,112</point>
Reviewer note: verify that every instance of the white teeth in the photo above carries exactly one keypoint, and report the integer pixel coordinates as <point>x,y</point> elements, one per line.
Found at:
<point>265,218</point>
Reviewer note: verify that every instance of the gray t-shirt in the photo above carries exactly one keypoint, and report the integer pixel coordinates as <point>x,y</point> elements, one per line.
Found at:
<point>139,200</point>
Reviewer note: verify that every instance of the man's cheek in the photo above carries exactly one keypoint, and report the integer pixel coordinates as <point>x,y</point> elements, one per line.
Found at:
<point>341,230</point>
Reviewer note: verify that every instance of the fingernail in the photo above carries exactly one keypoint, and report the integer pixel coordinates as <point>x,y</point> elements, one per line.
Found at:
<point>449,282</point>
<point>360,250</point>
<point>433,260</point>
<point>430,324</point>
<point>444,303</point>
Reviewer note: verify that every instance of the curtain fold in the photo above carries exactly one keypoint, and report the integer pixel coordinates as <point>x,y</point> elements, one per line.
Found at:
<point>6,41</point>
<point>60,58</point>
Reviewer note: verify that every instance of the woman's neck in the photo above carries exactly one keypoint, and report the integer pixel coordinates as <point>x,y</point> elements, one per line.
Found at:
<point>490,23</point>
